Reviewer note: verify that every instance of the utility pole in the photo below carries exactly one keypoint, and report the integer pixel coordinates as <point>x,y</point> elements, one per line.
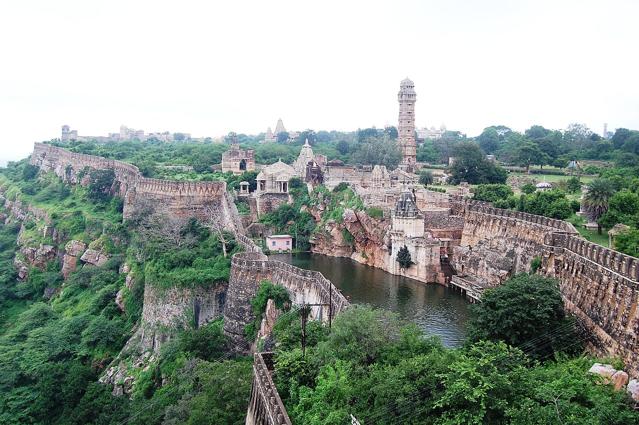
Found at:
<point>304,312</point>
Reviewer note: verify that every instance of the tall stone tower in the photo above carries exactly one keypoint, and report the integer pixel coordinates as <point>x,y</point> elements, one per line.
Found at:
<point>66,131</point>
<point>406,126</point>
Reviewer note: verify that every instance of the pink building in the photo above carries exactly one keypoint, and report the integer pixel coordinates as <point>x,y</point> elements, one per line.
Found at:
<point>279,243</point>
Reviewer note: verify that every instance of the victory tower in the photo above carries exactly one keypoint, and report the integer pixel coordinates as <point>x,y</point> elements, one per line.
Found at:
<point>406,127</point>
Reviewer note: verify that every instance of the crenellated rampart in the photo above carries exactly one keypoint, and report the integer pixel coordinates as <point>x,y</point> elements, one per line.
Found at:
<point>265,405</point>
<point>250,268</point>
<point>206,200</point>
<point>599,285</point>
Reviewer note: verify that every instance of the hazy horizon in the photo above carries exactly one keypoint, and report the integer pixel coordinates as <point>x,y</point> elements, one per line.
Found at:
<point>207,69</point>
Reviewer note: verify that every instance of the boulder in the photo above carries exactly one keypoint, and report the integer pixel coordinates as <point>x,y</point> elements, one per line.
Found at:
<point>129,280</point>
<point>125,268</point>
<point>606,371</point>
<point>633,389</point>
<point>69,264</point>
<point>119,300</point>
<point>21,268</point>
<point>270,317</point>
<point>619,379</point>
<point>92,256</point>
<point>75,248</point>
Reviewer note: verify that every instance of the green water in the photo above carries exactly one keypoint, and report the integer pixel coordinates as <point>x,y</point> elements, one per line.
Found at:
<point>435,308</point>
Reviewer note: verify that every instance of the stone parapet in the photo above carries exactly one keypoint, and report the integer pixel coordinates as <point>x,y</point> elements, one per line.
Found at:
<point>265,406</point>
<point>177,198</point>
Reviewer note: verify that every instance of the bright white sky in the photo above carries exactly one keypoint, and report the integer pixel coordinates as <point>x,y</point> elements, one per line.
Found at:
<point>209,67</point>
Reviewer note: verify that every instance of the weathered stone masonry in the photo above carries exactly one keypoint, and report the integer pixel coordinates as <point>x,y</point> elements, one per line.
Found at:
<point>599,286</point>
<point>250,268</point>
<point>182,199</point>
<point>165,309</point>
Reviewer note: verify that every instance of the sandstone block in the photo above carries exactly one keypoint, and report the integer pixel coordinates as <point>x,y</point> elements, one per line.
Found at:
<point>92,256</point>
<point>119,300</point>
<point>606,371</point>
<point>633,389</point>
<point>75,248</point>
<point>69,264</point>
<point>619,379</point>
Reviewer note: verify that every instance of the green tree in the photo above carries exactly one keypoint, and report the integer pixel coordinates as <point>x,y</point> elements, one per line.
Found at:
<point>528,154</point>
<point>491,192</point>
<point>489,140</point>
<point>482,384</point>
<point>536,132</point>
<point>596,200</point>
<point>343,147</point>
<point>100,184</point>
<point>427,152</point>
<point>377,151</point>
<point>425,177</point>
<point>283,137</point>
<point>403,258</point>
<point>628,242</point>
<point>29,172</point>
<point>573,184</point>
<point>623,207</point>
<point>528,188</point>
<point>470,165</point>
<point>526,311</point>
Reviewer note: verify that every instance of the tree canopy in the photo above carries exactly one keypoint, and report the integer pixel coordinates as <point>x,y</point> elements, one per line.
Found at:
<point>470,165</point>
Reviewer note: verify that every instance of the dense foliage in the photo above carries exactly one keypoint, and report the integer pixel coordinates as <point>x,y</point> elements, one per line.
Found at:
<point>470,165</point>
<point>492,192</point>
<point>527,312</point>
<point>380,370</point>
<point>57,337</point>
<point>267,290</point>
<point>403,258</point>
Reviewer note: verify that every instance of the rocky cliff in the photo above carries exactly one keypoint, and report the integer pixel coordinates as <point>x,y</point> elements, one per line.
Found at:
<point>357,236</point>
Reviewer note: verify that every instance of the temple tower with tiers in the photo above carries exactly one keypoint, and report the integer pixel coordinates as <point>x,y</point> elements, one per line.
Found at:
<point>406,126</point>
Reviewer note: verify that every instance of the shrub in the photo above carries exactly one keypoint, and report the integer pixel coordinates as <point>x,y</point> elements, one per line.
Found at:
<point>374,212</point>
<point>340,187</point>
<point>100,184</point>
<point>425,177</point>
<point>526,311</point>
<point>491,192</point>
<point>404,258</point>
<point>266,291</point>
<point>528,188</point>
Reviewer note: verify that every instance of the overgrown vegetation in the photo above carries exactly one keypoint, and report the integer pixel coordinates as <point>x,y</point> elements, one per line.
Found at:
<point>266,291</point>
<point>53,349</point>
<point>380,370</point>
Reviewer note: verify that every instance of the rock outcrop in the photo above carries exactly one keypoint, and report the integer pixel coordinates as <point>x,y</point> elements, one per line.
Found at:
<point>367,237</point>
<point>73,250</point>
<point>94,257</point>
<point>617,378</point>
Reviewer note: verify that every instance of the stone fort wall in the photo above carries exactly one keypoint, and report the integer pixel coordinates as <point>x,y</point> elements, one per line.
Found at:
<point>599,286</point>
<point>181,199</point>
<point>250,268</point>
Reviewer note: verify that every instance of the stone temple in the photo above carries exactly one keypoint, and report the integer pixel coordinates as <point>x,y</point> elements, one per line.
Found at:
<point>406,126</point>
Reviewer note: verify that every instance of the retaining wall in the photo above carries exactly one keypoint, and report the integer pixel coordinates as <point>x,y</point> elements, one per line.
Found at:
<point>599,285</point>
